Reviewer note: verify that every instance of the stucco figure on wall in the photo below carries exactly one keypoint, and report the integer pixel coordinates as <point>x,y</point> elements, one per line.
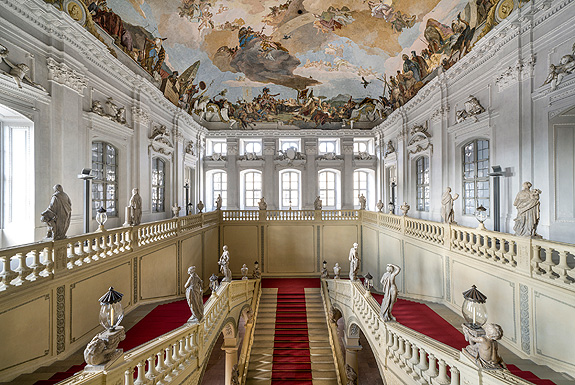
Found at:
<point>219,202</point>
<point>18,72</point>
<point>527,203</point>
<point>353,262</point>
<point>57,215</point>
<point>447,214</point>
<point>224,265</point>
<point>244,271</point>
<point>485,349</point>
<point>557,72</point>
<point>200,206</point>
<point>194,292</point>
<point>262,204</point>
<point>362,202</point>
<point>390,292</point>
<point>472,107</point>
<point>336,271</point>
<point>389,149</point>
<point>135,208</point>
<point>97,108</point>
<point>317,204</point>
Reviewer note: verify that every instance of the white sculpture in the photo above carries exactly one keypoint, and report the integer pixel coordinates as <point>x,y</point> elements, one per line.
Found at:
<point>485,349</point>
<point>472,108</point>
<point>57,215</point>
<point>527,203</point>
<point>362,202</point>
<point>379,206</point>
<point>103,347</point>
<point>135,208</point>
<point>336,271</point>
<point>18,72</point>
<point>97,107</point>
<point>214,284</point>
<point>390,292</point>
<point>121,115</point>
<point>447,214</point>
<point>176,210</point>
<point>200,206</point>
<point>244,271</point>
<point>219,202</point>
<point>324,272</point>
<point>405,208</point>
<point>557,72</point>
<point>194,292</point>
<point>257,272</point>
<point>389,149</point>
<point>224,268</point>
<point>353,262</point>
<point>317,204</point>
<point>262,204</point>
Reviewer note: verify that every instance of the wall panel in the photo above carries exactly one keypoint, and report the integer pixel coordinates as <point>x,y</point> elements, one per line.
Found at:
<point>158,272</point>
<point>290,249</point>
<point>336,241</point>
<point>243,245</point>
<point>425,271</point>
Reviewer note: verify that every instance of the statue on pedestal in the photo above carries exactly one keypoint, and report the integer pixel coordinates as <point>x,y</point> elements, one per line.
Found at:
<point>257,272</point>
<point>336,271</point>
<point>353,262</point>
<point>224,262</point>
<point>447,200</point>
<point>245,271</point>
<point>527,203</point>
<point>135,208</point>
<point>200,206</point>
<point>324,272</point>
<point>405,208</point>
<point>194,292</point>
<point>362,202</point>
<point>219,202</point>
<point>379,206</point>
<point>214,283</point>
<point>317,204</point>
<point>485,348</point>
<point>262,204</point>
<point>390,292</point>
<point>57,215</point>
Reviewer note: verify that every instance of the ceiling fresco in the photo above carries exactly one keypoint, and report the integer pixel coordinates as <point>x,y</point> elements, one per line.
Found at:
<point>303,63</point>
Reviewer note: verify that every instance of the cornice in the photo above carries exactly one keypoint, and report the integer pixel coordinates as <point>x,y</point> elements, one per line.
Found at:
<point>27,94</point>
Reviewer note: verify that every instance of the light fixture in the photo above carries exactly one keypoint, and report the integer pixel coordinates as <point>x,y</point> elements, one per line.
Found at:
<point>367,281</point>
<point>111,311</point>
<point>473,308</point>
<point>101,218</point>
<point>324,264</point>
<point>391,207</point>
<point>481,216</point>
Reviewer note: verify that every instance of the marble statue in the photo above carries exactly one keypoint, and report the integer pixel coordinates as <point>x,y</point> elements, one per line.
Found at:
<point>244,271</point>
<point>235,375</point>
<point>257,272</point>
<point>219,202</point>
<point>447,214</point>
<point>176,210</point>
<point>324,273</point>
<point>351,375</point>
<point>527,203</point>
<point>135,208</point>
<point>362,202</point>
<point>390,292</point>
<point>200,206</point>
<point>405,208</point>
<point>379,206</point>
<point>353,262</point>
<point>214,284</point>
<point>485,349</point>
<point>557,72</point>
<point>97,107</point>
<point>121,115</point>
<point>103,347</point>
<point>262,204</point>
<point>57,215</point>
<point>194,292</point>
<point>224,268</point>
<point>336,271</point>
<point>317,204</point>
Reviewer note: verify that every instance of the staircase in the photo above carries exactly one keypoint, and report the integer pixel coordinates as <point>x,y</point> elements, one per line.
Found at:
<point>291,340</point>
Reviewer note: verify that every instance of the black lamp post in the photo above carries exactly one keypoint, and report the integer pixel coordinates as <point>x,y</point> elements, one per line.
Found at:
<point>187,188</point>
<point>496,174</point>
<point>86,176</point>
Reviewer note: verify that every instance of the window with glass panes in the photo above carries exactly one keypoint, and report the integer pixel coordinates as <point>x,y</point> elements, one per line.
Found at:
<point>286,144</point>
<point>326,146</point>
<point>422,175</point>
<point>220,186</point>
<point>290,189</point>
<point>253,146</point>
<point>327,188</point>
<point>105,183</point>
<point>475,178</point>
<point>158,185</point>
<point>360,186</point>
<point>252,188</point>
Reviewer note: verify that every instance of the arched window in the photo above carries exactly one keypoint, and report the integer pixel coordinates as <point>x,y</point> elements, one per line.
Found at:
<point>290,189</point>
<point>422,183</point>
<point>217,184</point>
<point>105,183</point>
<point>475,178</point>
<point>252,189</point>
<point>328,185</point>
<point>158,185</point>
<point>363,183</point>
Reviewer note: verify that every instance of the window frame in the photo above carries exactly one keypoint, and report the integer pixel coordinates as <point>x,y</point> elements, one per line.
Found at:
<point>296,143</point>
<point>216,144</point>
<point>104,182</point>
<point>158,187</point>
<point>212,192</point>
<point>336,189</point>
<point>334,141</point>
<point>369,191</point>
<point>476,179</point>
<point>257,193</point>
<point>368,142</point>
<point>298,190</point>
<point>422,187</point>
<point>244,143</point>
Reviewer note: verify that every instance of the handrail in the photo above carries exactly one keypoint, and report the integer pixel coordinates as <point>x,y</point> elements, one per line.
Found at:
<point>405,353</point>
<point>183,352</point>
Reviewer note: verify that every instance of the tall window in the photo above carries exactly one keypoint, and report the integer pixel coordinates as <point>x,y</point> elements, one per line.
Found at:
<point>252,181</point>
<point>422,175</point>
<point>219,187</point>
<point>361,186</point>
<point>105,183</point>
<point>328,188</point>
<point>290,190</point>
<point>158,185</point>
<point>475,178</point>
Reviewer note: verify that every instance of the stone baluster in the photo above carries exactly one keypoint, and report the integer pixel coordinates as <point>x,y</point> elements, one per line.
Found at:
<point>73,257</point>
<point>548,264</point>
<point>175,359</point>
<point>562,267</point>
<point>160,366</point>
<point>454,376</point>
<point>151,374</point>
<point>23,270</point>
<point>395,348</point>
<point>48,263</point>
<point>140,379</point>
<point>512,252</point>
<point>442,377</point>
<point>536,259</point>
<point>432,369</point>
<point>407,357</point>
<point>129,376</point>
<point>401,352</point>
<point>422,366</point>
<point>36,266</point>
<point>182,353</point>
<point>168,363</point>
<point>90,250</point>
<point>7,274</point>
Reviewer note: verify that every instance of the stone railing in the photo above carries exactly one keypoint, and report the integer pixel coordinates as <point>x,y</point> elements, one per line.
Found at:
<point>22,265</point>
<point>178,356</point>
<point>404,355</point>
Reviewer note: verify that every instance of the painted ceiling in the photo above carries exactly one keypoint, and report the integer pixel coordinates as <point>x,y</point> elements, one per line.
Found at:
<point>301,62</point>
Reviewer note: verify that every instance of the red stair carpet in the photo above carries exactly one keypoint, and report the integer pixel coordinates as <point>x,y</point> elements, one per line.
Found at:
<point>291,358</point>
<point>161,320</point>
<point>421,318</point>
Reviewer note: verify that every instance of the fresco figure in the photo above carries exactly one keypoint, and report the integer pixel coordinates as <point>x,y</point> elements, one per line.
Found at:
<point>57,215</point>
<point>409,65</point>
<point>154,55</point>
<point>390,292</point>
<point>194,292</point>
<point>527,203</point>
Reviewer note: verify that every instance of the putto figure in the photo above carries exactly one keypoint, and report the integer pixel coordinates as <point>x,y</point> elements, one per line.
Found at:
<point>57,215</point>
<point>390,292</point>
<point>224,268</point>
<point>485,349</point>
<point>194,293</point>
<point>447,214</point>
<point>353,262</point>
<point>527,203</point>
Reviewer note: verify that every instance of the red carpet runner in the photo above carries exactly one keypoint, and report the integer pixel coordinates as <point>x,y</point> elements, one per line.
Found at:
<point>291,359</point>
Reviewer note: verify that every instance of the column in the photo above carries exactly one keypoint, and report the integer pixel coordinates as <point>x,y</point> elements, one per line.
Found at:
<point>230,346</point>
<point>310,188</point>
<point>347,174</point>
<point>233,175</point>
<point>269,188</point>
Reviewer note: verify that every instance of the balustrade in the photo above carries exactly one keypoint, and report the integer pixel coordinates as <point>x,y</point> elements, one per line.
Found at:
<point>496,247</point>
<point>553,261</point>
<point>390,221</point>
<point>425,230</point>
